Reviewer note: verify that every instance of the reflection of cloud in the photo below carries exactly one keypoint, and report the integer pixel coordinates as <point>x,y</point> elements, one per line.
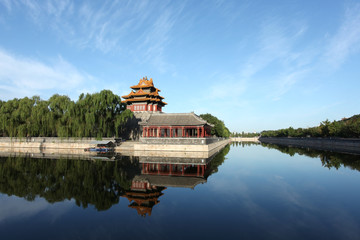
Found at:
<point>287,193</point>
<point>14,207</point>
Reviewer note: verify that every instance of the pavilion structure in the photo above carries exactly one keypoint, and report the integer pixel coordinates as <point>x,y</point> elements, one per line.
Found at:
<point>144,97</point>
<point>146,103</point>
<point>175,125</point>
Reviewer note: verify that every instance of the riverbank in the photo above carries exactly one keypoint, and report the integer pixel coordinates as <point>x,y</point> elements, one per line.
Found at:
<point>50,143</point>
<point>344,145</point>
<point>199,147</point>
<point>164,146</point>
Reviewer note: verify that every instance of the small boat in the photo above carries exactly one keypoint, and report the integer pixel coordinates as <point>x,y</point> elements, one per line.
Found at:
<point>98,149</point>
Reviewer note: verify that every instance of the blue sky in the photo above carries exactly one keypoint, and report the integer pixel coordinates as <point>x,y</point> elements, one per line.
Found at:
<point>257,65</point>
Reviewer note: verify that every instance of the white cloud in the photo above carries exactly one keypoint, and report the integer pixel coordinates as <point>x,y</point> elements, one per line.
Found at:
<point>139,30</point>
<point>284,83</point>
<point>7,4</point>
<point>27,77</point>
<point>347,39</point>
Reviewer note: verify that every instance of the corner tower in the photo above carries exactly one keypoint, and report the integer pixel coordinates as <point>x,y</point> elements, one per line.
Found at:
<point>144,97</point>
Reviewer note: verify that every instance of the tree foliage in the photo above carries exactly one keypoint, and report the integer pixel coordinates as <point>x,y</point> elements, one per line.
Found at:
<point>219,129</point>
<point>346,128</point>
<point>92,115</point>
<point>244,134</point>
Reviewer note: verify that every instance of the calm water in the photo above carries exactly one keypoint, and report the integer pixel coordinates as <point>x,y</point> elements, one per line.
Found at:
<point>246,191</point>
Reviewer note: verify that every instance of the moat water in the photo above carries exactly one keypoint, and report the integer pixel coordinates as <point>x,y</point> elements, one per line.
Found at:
<point>247,191</point>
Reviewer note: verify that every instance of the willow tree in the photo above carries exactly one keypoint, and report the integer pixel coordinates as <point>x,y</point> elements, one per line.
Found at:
<point>92,115</point>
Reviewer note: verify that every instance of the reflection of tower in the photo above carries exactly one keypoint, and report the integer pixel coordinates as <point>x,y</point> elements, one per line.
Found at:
<point>143,196</point>
<point>158,173</point>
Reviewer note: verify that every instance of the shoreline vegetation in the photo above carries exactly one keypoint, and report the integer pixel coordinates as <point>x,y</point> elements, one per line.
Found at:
<point>98,115</point>
<point>345,128</point>
<point>92,115</point>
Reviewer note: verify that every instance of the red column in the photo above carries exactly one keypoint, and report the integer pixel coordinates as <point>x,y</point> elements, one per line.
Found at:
<point>171,133</point>
<point>198,132</point>
<point>182,132</point>
<point>202,132</point>
<point>159,132</point>
<point>144,129</point>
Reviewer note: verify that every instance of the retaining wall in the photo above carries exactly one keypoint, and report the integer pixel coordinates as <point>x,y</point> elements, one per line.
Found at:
<point>180,141</point>
<point>330,144</point>
<point>165,146</point>
<point>56,143</point>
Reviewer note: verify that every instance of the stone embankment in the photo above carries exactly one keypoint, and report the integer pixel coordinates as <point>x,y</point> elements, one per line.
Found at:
<point>48,143</point>
<point>175,145</point>
<point>329,144</point>
<point>76,146</point>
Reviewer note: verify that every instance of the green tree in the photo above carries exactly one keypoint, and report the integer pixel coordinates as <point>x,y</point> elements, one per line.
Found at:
<point>219,129</point>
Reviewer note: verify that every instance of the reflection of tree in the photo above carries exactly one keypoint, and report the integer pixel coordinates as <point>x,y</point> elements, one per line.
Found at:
<point>98,183</point>
<point>328,159</point>
<point>218,159</point>
<point>243,144</point>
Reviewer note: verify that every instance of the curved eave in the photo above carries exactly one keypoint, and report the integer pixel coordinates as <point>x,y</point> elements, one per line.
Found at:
<point>135,87</point>
<point>158,101</point>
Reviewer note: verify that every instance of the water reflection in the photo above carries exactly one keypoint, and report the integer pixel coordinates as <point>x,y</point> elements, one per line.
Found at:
<point>328,159</point>
<point>103,180</point>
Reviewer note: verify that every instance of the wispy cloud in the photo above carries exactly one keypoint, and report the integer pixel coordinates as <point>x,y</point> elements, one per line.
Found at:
<point>140,30</point>
<point>27,77</point>
<point>284,83</point>
<point>7,4</point>
<point>277,54</point>
<point>347,39</point>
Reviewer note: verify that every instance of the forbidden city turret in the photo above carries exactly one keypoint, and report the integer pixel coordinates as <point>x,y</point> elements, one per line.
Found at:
<point>144,97</point>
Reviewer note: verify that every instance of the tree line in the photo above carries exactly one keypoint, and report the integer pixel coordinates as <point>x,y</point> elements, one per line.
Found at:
<point>92,115</point>
<point>244,134</point>
<point>345,128</point>
<point>219,129</point>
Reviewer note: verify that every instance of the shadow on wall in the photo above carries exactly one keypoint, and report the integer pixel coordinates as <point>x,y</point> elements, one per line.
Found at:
<point>131,130</point>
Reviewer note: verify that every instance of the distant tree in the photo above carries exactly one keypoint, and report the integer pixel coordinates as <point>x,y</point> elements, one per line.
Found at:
<point>348,127</point>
